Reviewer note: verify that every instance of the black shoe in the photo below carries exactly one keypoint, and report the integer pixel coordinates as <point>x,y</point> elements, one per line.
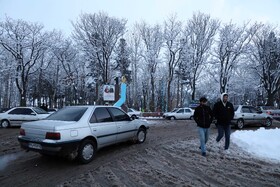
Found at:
<point>203,154</point>
<point>199,147</point>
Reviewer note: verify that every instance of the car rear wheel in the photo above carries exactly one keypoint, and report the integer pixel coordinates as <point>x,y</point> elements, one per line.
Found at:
<point>141,135</point>
<point>86,151</point>
<point>240,124</point>
<point>172,118</point>
<point>191,118</point>
<point>268,122</point>
<point>5,123</point>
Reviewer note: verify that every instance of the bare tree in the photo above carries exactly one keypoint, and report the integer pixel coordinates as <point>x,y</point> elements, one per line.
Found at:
<point>232,45</point>
<point>7,72</point>
<point>27,43</point>
<point>174,41</point>
<point>97,35</point>
<point>67,69</point>
<point>200,32</point>
<point>152,38</point>
<point>266,55</point>
<point>134,43</point>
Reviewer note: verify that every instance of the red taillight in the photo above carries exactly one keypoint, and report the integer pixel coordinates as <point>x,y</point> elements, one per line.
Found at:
<point>53,135</point>
<point>22,132</point>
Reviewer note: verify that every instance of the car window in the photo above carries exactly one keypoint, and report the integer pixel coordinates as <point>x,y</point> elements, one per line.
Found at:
<point>68,114</point>
<point>253,110</point>
<point>180,111</point>
<point>23,111</point>
<point>119,115</point>
<point>187,110</point>
<point>39,110</point>
<point>101,115</point>
<point>246,109</point>
<point>130,110</point>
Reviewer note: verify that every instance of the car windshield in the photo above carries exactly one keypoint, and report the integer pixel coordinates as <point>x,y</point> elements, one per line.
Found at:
<point>131,110</point>
<point>68,114</point>
<point>39,110</point>
<point>235,107</point>
<point>174,110</point>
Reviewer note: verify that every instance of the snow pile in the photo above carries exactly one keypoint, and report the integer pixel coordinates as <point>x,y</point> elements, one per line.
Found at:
<point>261,143</point>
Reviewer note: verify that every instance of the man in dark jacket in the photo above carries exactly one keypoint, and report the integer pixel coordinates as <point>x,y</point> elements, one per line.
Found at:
<point>224,113</point>
<point>203,116</point>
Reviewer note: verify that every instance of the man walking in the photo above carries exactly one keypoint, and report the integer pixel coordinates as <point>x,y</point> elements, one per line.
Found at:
<point>223,112</point>
<point>203,116</point>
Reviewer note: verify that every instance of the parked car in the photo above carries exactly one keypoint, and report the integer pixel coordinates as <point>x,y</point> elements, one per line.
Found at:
<point>271,110</point>
<point>249,115</point>
<point>17,115</point>
<point>52,110</point>
<point>180,113</point>
<point>134,114</point>
<point>174,110</point>
<point>79,131</point>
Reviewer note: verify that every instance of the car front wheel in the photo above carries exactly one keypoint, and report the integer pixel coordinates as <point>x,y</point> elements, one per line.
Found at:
<point>5,124</point>
<point>133,117</point>
<point>268,122</point>
<point>86,151</point>
<point>240,124</point>
<point>141,135</point>
<point>172,118</point>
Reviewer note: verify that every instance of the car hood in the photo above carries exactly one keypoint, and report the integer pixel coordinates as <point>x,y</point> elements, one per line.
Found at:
<point>170,113</point>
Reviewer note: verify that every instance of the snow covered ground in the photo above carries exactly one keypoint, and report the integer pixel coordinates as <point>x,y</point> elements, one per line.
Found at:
<point>262,143</point>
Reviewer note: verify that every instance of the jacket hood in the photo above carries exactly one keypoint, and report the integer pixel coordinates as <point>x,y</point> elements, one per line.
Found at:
<point>222,95</point>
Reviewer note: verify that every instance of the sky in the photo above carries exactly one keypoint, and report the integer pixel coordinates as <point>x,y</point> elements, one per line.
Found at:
<point>58,14</point>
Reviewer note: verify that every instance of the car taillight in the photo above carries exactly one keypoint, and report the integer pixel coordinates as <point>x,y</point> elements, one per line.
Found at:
<point>22,132</point>
<point>268,112</point>
<point>53,135</point>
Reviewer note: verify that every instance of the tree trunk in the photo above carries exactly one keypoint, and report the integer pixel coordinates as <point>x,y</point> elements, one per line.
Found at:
<point>168,99</point>
<point>178,93</point>
<point>152,104</point>
<point>23,98</point>
<point>193,91</point>
<point>270,99</point>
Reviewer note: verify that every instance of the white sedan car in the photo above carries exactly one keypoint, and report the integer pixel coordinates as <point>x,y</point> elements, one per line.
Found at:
<point>79,131</point>
<point>180,113</point>
<point>249,115</point>
<point>16,116</point>
<point>134,114</point>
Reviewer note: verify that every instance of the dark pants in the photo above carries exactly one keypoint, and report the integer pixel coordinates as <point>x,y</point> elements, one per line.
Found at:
<point>224,129</point>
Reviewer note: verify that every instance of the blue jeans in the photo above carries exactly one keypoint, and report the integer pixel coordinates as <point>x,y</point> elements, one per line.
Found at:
<point>203,136</point>
<point>224,129</point>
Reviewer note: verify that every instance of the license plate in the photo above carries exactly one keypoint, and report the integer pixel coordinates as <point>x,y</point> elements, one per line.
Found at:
<point>34,146</point>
